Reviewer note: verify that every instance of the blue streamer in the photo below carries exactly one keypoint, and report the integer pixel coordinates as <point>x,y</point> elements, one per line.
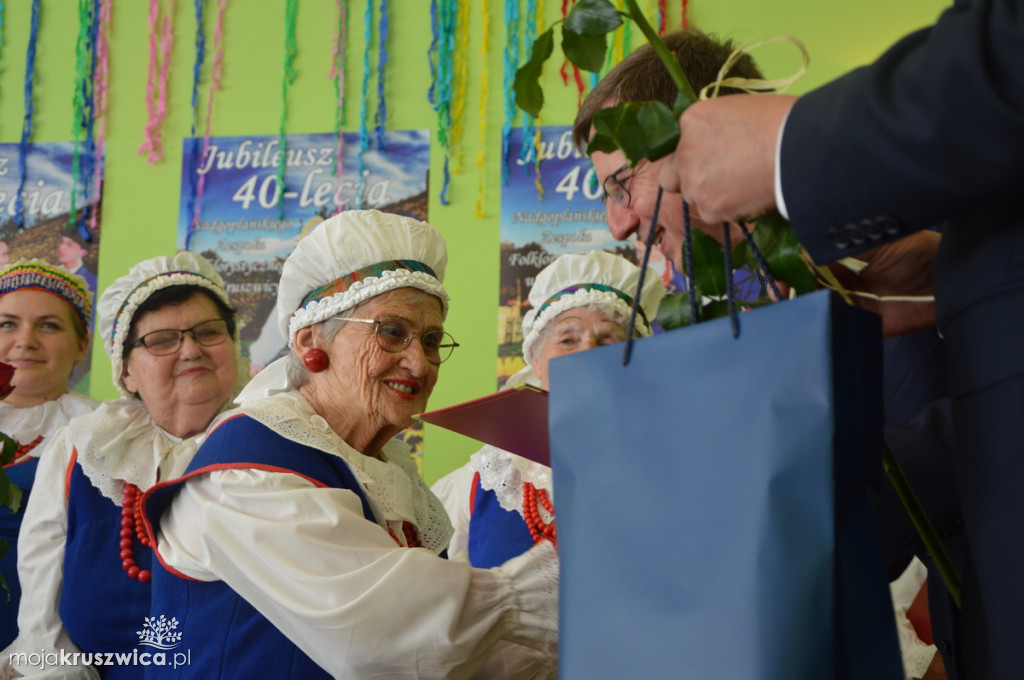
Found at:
<point>445,70</point>
<point>528,153</point>
<point>382,60</point>
<point>364,133</point>
<point>197,68</point>
<point>432,53</point>
<point>89,111</point>
<point>511,64</point>
<point>26,125</point>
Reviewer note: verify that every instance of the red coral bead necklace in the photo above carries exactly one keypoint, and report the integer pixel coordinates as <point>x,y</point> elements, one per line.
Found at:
<point>132,524</point>
<point>533,500</point>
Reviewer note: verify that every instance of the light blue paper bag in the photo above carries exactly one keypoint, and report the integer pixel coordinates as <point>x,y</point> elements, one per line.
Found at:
<point>714,501</point>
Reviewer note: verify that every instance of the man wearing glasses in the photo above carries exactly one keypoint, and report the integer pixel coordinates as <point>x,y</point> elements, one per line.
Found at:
<point>916,410</point>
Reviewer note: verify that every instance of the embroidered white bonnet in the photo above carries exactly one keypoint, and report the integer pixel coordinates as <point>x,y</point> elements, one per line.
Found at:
<point>594,278</point>
<point>354,256</point>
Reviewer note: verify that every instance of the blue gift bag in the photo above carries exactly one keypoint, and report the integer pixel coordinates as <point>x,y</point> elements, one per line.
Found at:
<point>715,501</point>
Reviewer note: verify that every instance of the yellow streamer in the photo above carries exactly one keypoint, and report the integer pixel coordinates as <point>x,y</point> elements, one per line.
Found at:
<point>756,85</point>
<point>618,44</point>
<point>484,46</point>
<point>461,61</point>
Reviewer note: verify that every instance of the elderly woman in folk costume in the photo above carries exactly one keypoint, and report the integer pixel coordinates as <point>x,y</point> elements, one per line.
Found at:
<point>45,315</point>
<point>305,519</point>
<point>501,503</point>
<point>171,334</point>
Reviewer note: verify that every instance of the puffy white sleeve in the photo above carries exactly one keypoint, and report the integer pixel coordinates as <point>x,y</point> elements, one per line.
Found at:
<point>455,490</point>
<point>41,572</point>
<point>329,579</point>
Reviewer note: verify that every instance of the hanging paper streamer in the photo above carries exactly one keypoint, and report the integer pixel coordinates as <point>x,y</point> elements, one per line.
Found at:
<point>459,98</point>
<point>364,128</point>
<point>197,71</point>
<point>618,50</point>
<point>440,94</point>
<point>531,136</point>
<point>161,37</point>
<point>686,15</point>
<point>100,86</point>
<point>26,125</point>
<point>216,72</point>
<point>382,60</point>
<point>482,131</point>
<point>83,104</point>
<point>338,76</point>
<point>290,50</point>
<point>661,17</point>
<point>511,64</point>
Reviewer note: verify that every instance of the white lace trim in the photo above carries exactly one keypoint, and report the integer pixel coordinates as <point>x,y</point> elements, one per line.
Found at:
<point>393,487</point>
<point>119,442</point>
<point>319,310</point>
<point>504,473</point>
<point>25,424</point>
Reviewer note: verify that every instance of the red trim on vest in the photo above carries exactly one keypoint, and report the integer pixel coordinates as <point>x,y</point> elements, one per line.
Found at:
<point>150,534</point>
<point>69,471</point>
<point>472,493</point>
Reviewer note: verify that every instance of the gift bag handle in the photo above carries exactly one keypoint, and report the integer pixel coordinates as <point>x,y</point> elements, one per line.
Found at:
<point>764,274</point>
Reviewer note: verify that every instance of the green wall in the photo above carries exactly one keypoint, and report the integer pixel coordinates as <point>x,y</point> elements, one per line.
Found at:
<point>140,201</point>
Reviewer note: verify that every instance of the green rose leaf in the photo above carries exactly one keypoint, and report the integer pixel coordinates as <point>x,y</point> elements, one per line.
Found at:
<point>7,448</point>
<point>585,51</point>
<point>10,495</point>
<point>593,18</point>
<point>674,311</point>
<point>682,102</point>
<point>639,129</point>
<point>529,95</point>
<point>708,265</point>
<point>778,243</point>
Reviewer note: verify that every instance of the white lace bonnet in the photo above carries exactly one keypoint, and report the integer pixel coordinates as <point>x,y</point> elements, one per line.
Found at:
<point>597,277</point>
<point>354,256</point>
<point>119,302</point>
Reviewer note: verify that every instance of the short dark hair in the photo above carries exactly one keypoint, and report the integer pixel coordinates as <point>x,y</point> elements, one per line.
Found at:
<point>642,77</point>
<point>178,295</point>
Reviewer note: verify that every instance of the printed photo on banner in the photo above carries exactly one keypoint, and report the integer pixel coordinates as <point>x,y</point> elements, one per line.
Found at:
<point>550,206</point>
<point>43,226</point>
<point>230,211</point>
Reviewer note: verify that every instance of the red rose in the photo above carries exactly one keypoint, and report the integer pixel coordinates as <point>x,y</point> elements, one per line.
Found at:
<point>6,375</point>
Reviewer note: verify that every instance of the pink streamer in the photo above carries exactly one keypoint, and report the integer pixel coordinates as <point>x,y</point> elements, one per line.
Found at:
<point>156,85</point>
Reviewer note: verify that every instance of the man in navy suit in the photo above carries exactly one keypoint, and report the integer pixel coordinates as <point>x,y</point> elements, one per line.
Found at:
<point>932,131</point>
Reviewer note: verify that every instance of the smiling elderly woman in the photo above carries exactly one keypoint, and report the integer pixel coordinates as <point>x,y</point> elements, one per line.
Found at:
<point>301,528</point>
<point>170,332</point>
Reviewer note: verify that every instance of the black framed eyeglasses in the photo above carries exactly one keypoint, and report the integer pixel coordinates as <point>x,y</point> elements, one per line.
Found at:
<point>394,335</point>
<point>169,340</point>
<point>614,186</point>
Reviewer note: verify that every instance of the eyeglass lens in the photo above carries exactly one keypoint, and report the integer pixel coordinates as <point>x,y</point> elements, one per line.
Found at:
<point>393,335</point>
<point>168,341</point>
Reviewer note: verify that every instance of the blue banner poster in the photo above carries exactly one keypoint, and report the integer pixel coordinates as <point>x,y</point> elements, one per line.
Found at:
<point>229,209</point>
<point>547,209</point>
<point>43,227</point>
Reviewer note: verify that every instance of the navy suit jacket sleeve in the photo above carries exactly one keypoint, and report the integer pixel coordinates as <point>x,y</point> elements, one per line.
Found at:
<point>932,130</point>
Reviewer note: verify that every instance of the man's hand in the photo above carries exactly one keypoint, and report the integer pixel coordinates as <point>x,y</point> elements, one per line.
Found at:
<point>900,268</point>
<point>725,161</point>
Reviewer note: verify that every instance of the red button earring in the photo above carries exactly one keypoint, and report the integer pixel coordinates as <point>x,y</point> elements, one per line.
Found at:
<point>316,360</point>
